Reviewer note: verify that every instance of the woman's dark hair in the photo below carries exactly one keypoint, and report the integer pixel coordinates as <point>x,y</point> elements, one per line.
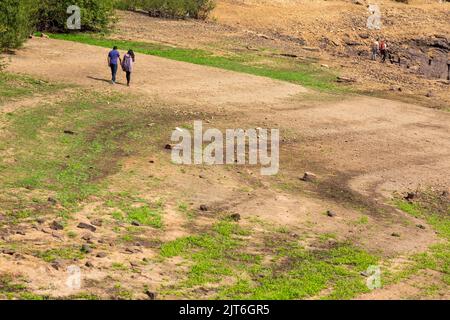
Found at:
<point>131,53</point>
<point>115,48</point>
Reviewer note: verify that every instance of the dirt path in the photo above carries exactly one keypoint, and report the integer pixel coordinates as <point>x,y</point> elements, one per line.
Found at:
<point>384,145</point>
<point>371,145</point>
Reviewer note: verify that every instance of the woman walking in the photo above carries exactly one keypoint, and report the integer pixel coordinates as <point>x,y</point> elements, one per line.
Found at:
<point>127,65</point>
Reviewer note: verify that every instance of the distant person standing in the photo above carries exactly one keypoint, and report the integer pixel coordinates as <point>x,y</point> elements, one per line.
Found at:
<point>127,65</point>
<point>375,47</point>
<point>113,63</point>
<point>383,50</point>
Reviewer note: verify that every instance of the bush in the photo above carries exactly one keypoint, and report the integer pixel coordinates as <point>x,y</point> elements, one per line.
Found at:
<point>18,18</point>
<point>197,9</point>
<point>15,22</point>
<point>52,15</point>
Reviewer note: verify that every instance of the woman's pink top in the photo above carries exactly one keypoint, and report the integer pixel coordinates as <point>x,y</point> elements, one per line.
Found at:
<point>127,63</point>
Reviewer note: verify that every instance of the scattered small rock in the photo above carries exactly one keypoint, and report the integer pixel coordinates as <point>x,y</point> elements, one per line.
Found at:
<point>345,79</point>
<point>410,195</point>
<point>87,237</point>
<point>134,264</point>
<point>429,94</point>
<point>101,255</point>
<point>97,222</point>
<point>51,200</point>
<point>8,251</point>
<point>55,225</point>
<point>45,230</point>
<point>395,88</point>
<point>89,264</point>
<point>151,161</point>
<point>235,217</point>
<point>395,234</point>
<point>309,177</point>
<point>57,235</point>
<point>20,232</point>
<point>289,55</point>
<point>18,256</point>
<point>87,226</point>
<point>86,248</point>
<point>40,220</point>
<point>364,274</point>
<point>201,176</point>
<point>57,264</point>
<point>168,147</point>
<point>331,213</point>
<point>203,207</point>
<point>420,226</point>
<point>135,223</point>
<point>358,2</point>
<point>151,295</point>
<point>133,250</point>
<point>69,132</point>
<point>313,49</point>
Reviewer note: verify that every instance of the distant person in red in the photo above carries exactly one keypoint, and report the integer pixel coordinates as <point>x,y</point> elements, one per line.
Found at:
<point>127,65</point>
<point>383,50</point>
<point>113,63</point>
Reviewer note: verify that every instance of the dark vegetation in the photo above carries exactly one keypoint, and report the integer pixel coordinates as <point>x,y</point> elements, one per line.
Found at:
<point>19,18</point>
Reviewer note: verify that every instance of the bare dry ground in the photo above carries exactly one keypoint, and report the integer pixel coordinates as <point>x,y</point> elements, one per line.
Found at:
<point>333,32</point>
<point>363,149</point>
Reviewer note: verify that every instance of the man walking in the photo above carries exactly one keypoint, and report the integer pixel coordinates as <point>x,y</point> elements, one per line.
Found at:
<point>375,47</point>
<point>113,63</point>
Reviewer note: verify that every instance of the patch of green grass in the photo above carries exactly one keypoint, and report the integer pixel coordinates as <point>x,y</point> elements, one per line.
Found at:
<point>68,253</point>
<point>13,86</point>
<point>133,209</point>
<point>32,296</point>
<point>71,234</point>
<point>145,216</point>
<point>297,274</point>
<point>278,68</point>
<point>362,220</point>
<point>14,288</point>
<point>67,149</point>
<point>439,221</point>
<point>118,266</point>
<point>409,207</point>
<point>122,293</point>
<point>184,208</point>
<point>10,285</point>
<point>436,212</point>
<point>68,164</point>
<point>84,296</point>
<point>292,273</point>
<point>327,236</point>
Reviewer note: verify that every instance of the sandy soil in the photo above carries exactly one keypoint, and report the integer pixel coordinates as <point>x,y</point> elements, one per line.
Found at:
<point>333,32</point>
<point>362,145</point>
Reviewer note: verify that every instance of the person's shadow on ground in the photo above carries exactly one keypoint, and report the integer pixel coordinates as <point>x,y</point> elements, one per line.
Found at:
<point>103,80</point>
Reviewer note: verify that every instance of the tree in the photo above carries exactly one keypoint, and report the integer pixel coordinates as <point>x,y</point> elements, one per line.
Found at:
<point>95,14</point>
<point>15,22</point>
